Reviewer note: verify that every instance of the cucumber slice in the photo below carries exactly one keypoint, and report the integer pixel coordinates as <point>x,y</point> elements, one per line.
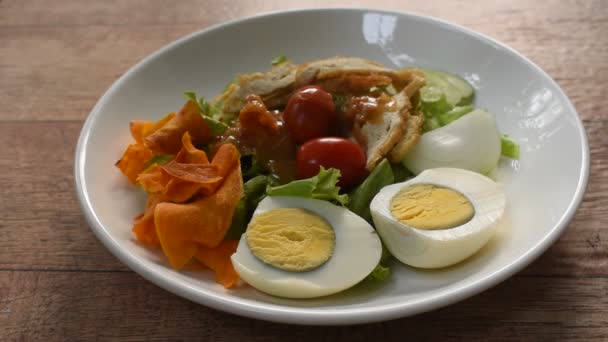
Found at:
<point>435,79</point>
<point>433,101</point>
<point>454,114</point>
<point>466,90</point>
<point>445,98</point>
<point>456,89</point>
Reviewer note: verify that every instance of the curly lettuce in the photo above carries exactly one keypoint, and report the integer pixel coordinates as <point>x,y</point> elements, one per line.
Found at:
<point>322,186</point>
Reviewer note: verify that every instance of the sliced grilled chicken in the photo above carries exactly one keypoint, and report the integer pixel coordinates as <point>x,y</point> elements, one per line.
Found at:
<point>345,75</point>
<point>409,139</point>
<point>380,135</point>
<point>391,135</point>
<point>274,87</point>
<point>413,128</point>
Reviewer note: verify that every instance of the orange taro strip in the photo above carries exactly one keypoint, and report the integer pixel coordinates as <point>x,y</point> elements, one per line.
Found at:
<point>154,180</point>
<point>142,128</point>
<point>138,127</point>
<point>190,154</point>
<point>181,227</point>
<point>184,176</point>
<point>144,224</point>
<point>167,140</point>
<point>133,161</point>
<point>189,179</point>
<point>136,156</point>
<point>218,259</point>
<point>185,184</point>
<point>194,173</point>
<point>226,157</point>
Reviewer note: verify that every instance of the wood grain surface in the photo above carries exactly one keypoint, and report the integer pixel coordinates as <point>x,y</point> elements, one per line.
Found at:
<point>57,282</point>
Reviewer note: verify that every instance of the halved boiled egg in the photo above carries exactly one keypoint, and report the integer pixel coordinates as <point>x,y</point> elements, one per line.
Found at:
<point>472,142</point>
<point>439,218</point>
<point>303,248</point>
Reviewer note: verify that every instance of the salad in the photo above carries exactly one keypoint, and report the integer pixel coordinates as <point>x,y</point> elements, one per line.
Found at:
<point>306,179</point>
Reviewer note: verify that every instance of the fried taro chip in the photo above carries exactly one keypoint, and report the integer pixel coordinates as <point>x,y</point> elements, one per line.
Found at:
<point>142,128</point>
<point>144,224</point>
<point>189,173</point>
<point>218,260</point>
<point>168,139</point>
<point>134,161</point>
<point>136,157</point>
<point>205,221</point>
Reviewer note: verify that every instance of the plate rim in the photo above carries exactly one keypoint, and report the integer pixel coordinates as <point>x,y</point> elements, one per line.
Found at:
<point>315,316</point>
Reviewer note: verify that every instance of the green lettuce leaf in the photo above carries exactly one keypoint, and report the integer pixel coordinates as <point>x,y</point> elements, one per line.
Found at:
<point>190,95</point>
<point>361,197</point>
<point>379,274</point>
<point>250,166</point>
<point>386,255</point>
<point>401,173</point>
<point>508,147</point>
<point>217,127</point>
<point>254,190</point>
<point>454,114</point>
<point>322,186</point>
<point>160,159</point>
<point>382,270</point>
<point>279,60</point>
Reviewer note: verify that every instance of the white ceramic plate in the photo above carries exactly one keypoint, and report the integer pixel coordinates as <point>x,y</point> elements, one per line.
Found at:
<point>543,188</point>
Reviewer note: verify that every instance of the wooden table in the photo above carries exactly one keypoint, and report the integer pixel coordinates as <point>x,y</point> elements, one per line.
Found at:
<point>58,282</point>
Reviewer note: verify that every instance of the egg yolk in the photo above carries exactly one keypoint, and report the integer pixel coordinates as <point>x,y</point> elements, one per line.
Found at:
<point>428,206</point>
<point>291,239</point>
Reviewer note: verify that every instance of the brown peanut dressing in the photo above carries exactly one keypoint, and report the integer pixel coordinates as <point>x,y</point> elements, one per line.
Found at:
<point>263,133</point>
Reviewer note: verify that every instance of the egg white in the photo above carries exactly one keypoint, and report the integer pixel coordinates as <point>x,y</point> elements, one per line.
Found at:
<point>357,252</point>
<point>472,142</point>
<point>441,248</point>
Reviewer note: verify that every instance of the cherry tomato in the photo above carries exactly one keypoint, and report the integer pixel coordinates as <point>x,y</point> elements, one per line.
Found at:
<point>309,114</point>
<point>339,153</point>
